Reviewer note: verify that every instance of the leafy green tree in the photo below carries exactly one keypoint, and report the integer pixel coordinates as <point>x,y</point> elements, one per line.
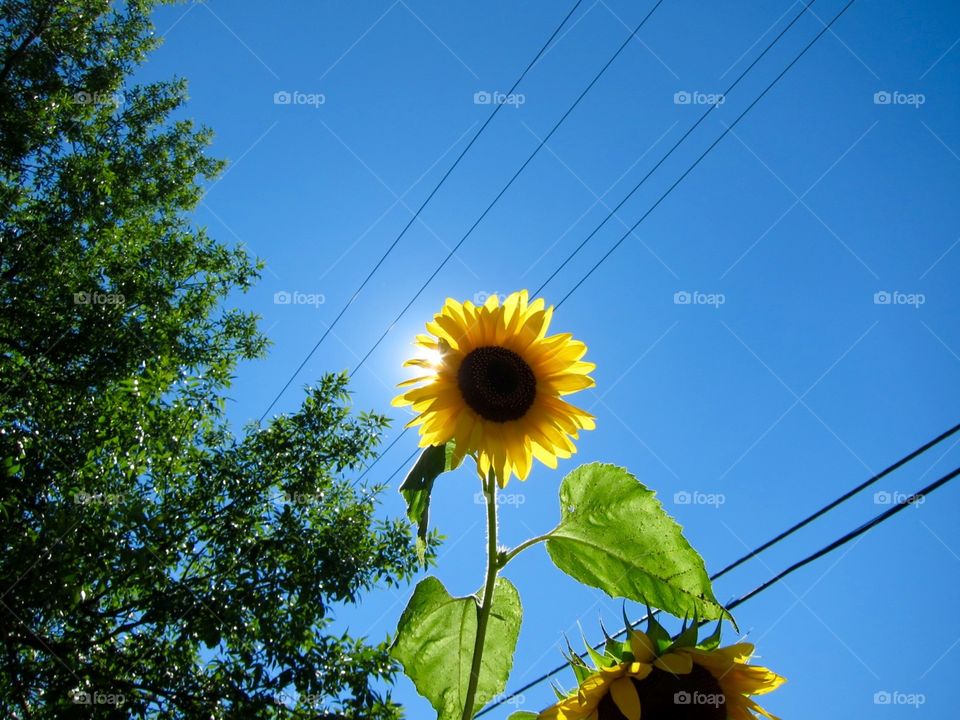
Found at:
<point>153,564</point>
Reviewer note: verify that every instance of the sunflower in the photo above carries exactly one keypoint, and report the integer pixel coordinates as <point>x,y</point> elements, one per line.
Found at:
<point>495,385</point>
<point>652,677</point>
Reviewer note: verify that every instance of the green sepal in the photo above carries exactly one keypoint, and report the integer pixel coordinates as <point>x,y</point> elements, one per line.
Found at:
<point>523,715</point>
<point>657,632</point>
<point>713,641</point>
<point>615,648</point>
<point>599,660</point>
<point>580,669</point>
<point>688,635</point>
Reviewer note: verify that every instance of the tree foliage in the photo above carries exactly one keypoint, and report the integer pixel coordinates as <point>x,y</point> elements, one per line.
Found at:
<point>153,563</point>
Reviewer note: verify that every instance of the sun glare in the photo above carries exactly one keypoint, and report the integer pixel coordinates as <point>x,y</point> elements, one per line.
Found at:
<point>431,356</point>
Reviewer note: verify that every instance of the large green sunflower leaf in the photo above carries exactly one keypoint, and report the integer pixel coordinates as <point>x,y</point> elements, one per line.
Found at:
<point>417,486</point>
<point>435,640</point>
<point>615,535</point>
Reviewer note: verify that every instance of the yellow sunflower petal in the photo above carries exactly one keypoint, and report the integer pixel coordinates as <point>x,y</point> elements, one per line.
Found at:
<point>415,381</point>
<point>643,648</point>
<point>675,663</point>
<point>625,697</point>
<point>568,709</point>
<point>755,707</point>
<point>639,670</point>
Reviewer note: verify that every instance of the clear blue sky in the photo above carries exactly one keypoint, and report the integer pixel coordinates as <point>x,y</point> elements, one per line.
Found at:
<point>795,388</point>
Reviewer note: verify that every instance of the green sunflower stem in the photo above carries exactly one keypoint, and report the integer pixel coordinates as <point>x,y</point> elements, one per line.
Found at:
<point>483,614</point>
<point>511,554</point>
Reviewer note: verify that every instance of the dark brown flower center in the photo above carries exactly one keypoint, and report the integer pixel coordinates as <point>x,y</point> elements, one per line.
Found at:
<point>497,383</point>
<point>665,696</point>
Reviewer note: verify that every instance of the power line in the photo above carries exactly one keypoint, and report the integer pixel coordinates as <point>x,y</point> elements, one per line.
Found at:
<point>379,457</point>
<point>842,499</point>
<point>677,144</point>
<point>722,135</point>
<point>505,188</point>
<point>490,206</point>
<point>386,482</point>
<point>416,214</point>
<point>843,540</point>
<point>658,164</point>
<point>773,541</point>
<point>405,463</point>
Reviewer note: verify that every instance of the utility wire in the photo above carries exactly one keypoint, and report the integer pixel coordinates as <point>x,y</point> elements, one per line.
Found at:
<point>842,499</point>
<point>379,457</point>
<point>677,144</point>
<point>660,162</point>
<point>490,206</point>
<point>722,135</point>
<point>843,540</point>
<point>405,463</point>
<point>505,187</point>
<point>773,541</point>
<point>416,214</point>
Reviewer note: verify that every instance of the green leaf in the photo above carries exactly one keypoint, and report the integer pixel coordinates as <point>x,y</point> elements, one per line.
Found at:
<point>523,715</point>
<point>435,641</point>
<point>615,535</point>
<point>417,486</point>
